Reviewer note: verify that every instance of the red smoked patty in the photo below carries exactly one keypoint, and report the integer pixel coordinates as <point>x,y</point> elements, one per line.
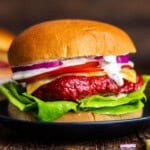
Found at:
<point>77,87</point>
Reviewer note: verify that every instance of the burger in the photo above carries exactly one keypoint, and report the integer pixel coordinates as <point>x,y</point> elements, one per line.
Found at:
<point>6,39</point>
<point>74,70</point>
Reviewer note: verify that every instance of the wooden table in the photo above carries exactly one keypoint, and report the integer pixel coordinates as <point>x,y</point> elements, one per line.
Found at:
<point>10,141</point>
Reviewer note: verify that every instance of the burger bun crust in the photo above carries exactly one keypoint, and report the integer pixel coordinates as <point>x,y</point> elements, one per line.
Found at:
<point>66,39</point>
<point>6,39</point>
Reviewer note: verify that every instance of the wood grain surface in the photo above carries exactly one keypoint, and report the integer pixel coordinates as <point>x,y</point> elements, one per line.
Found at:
<point>11,142</point>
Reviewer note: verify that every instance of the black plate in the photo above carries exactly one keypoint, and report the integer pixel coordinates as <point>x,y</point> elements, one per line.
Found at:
<point>70,130</point>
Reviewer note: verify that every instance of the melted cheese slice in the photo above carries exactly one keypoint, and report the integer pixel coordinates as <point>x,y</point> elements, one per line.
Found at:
<point>129,74</point>
<point>31,87</point>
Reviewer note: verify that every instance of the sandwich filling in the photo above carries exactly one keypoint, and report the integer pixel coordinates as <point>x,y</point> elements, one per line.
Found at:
<point>5,72</point>
<point>76,78</point>
<point>99,84</point>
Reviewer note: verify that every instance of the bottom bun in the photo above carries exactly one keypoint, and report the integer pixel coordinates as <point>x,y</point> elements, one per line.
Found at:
<point>75,117</point>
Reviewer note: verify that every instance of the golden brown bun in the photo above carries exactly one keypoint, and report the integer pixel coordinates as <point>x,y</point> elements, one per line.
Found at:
<point>6,39</point>
<point>5,75</point>
<point>68,38</point>
<point>3,56</point>
<point>15,113</point>
<point>75,117</point>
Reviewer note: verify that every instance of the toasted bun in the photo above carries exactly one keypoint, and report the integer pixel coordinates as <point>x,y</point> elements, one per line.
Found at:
<point>5,75</point>
<point>6,39</point>
<point>68,38</point>
<point>75,117</point>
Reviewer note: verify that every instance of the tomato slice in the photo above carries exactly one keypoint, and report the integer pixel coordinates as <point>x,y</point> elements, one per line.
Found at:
<point>4,64</point>
<point>126,66</point>
<point>87,67</point>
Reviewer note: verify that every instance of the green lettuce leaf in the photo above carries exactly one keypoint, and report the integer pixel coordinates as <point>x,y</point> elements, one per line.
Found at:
<point>16,90</point>
<point>10,90</point>
<point>48,111</point>
<point>98,101</point>
<point>122,109</point>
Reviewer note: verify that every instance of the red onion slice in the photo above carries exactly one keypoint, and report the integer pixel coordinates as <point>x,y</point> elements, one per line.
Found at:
<point>122,59</point>
<point>38,66</point>
<point>56,63</point>
<point>119,59</point>
<point>98,57</point>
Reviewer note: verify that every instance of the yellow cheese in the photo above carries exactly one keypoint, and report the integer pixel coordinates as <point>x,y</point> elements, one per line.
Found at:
<point>129,74</point>
<point>31,87</point>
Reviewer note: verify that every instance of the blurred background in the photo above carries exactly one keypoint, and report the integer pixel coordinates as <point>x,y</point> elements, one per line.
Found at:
<point>131,15</point>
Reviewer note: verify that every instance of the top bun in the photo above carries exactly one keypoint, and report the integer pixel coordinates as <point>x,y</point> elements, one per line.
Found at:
<point>68,38</point>
<point>6,39</point>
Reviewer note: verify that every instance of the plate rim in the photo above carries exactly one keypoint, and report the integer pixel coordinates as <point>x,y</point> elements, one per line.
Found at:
<point>4,118</point>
